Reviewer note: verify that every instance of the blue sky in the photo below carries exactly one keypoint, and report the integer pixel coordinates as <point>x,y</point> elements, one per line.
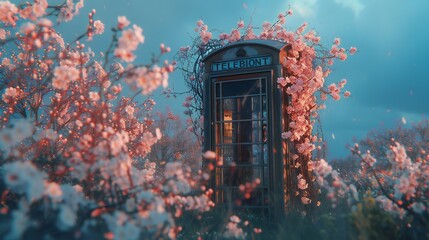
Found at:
<point>387,77</point>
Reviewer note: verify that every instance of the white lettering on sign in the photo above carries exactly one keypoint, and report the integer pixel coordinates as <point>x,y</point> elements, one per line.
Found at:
<point>241,63</point>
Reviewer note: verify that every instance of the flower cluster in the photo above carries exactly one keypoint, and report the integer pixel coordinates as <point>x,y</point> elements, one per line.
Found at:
<point>233,230</point>
<point>129,42</point>
<point>205,34</point>
<point>401,188</point>
<point>73,145</point>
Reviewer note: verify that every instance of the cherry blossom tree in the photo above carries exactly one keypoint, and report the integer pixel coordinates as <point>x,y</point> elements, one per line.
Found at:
<point>394,167</point>
<point>403,187</point>
<point>73,127</point>
<point>390,167</point>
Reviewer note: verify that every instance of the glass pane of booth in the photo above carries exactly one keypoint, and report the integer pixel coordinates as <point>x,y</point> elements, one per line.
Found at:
<point>240,88</point>
<point>242,154</point>
<point>241,141</point>
<point>241,108</point>
<point>242,132</point>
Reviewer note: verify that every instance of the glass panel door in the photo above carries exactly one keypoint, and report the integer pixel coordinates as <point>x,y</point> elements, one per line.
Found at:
<point>241,141</point>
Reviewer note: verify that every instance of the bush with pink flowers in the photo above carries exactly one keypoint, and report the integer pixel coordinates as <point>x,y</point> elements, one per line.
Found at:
<point>74,139</point>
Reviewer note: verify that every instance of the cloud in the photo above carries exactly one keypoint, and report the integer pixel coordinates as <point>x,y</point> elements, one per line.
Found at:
<point>305,8</point>
<point>355,5</point>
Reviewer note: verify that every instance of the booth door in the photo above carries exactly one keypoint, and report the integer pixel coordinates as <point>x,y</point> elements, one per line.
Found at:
<point>241,142</point>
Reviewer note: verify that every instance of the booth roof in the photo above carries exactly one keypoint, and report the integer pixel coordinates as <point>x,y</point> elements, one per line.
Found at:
<point>276,45</point>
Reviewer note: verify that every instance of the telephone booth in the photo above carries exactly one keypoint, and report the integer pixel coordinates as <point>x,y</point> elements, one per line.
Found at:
<point>243,125</point>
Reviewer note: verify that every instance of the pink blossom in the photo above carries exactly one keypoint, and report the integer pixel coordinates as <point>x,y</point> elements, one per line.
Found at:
<point>34,11</point>
<point>39,8</point>
<point>200,23</point>
<point>48,134</point>
<point>209,155</point>
<point>8,11</point>
<point>323,168</point>
<point>3,34</point>
<point>240,24</point>
<point>70,10</point>
<point>12,94</point>
<point>283,81</point>
<point>342,83</point>
<point>301,29</point>
<point>370,160</point>
<point>53,190</point>
<point>333,88</point>
<point>405,186</point>
<point>281,18</point>
<point>128,42</point>
<point>286,135</point>
<point>250,34</point>
<point>302,183</point>
<point>158,133</point>
<point>223,36</point>
<point>164,49</point>
<point>352,50</point>
<point>117,89</point>
<point>186,104</point>
<point>129,110</point>
<point>266,26</point>
<point>8,64</point>
<point>334,50</point>
<point>235,35</point>
<point>98,27</point>
<point>44,22</point>
<point>131,38</point>
<point>63,75</point>
<point>27,28</point>
<point>337,41</point>
<point>233,230</point>
<point>347,94</point>
<point>335,96</point>
<point>235,219</point>
<point>148,79</point>
<point>398,157</point>
<point>122,22</point>
<point>79,123</point>
<point>205,36</point>
<point>94,96</point>
<point>289,12</point>
<point>342,56</point>
<point>118,142</point>
<point>305,200</point>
